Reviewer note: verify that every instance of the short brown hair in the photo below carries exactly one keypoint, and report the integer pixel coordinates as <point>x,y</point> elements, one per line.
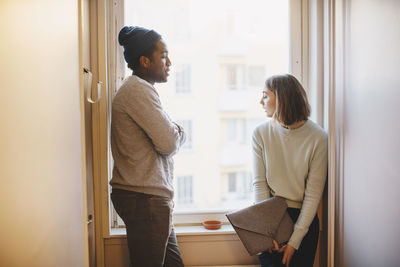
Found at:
<point>292,104</point>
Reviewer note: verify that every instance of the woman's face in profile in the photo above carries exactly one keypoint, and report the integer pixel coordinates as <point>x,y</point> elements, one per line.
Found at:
<point>268,102</point>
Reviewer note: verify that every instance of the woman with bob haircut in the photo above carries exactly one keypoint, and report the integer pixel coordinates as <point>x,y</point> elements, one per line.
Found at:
<point>290,157</point>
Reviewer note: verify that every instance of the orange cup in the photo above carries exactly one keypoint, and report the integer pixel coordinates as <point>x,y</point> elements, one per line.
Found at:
<point>212,225</point>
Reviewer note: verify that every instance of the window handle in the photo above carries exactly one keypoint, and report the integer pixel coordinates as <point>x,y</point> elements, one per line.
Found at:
<point>88,86</point>
<point>90,219</point>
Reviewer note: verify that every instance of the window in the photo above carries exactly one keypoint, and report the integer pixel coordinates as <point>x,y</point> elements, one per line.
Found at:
<point>239,184</point>
<point>236,188</point>
<point>216,58</point>
<point>181,22</point>
<point>232,182</point>
<point>235,77</point>
<point>187,126</point>
<point>236,131</point>
<point>256,75</point>
<point>182,81</point>
<point>184,188</point>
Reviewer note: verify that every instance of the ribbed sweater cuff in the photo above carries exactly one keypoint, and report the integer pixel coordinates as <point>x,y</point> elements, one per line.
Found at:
<point>294,204</point>
<point>146,190</point>
<point>297,237</point>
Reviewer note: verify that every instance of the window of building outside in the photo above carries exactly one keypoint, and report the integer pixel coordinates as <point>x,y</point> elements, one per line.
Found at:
<point>256,75</point>
<point>187,125</point>
<point>235,77</point>
<point>184,190</point>
<point>182,79</point>
<point>221,52</point>
<point>236,131</point>
<point>239,185</point>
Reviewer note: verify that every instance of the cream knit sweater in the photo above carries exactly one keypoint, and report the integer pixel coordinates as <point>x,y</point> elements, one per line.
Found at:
<point>292,164</point>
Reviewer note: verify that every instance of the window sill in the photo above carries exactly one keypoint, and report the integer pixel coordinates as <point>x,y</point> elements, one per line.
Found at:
<point>184,230</point>
<point>200,230</point>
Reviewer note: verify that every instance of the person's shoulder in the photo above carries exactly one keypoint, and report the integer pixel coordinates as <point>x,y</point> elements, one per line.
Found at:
<point>136,84</point>
<point>144,88</point>
<point>125,87</point>
<point>318,131</point>
<point>133,88</point>
<point>262,128</point>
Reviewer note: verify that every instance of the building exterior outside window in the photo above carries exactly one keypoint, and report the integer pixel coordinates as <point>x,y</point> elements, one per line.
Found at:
<point>184,192</point>
<point>235,77</point>
<point>182,81</point>
<point>256,75</point>
<point>237,187</point>
<point>188,126</point>
<point>236,131</point>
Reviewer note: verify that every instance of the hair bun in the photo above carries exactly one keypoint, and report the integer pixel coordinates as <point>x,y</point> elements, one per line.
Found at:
<point>136,40</point>
<point>124,35</point>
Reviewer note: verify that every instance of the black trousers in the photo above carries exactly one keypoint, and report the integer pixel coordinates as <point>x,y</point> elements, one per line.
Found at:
<point>151,238</point>
<point>304,256</point>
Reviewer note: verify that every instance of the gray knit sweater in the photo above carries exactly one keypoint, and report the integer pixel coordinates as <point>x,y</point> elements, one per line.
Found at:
<point>143,140</point>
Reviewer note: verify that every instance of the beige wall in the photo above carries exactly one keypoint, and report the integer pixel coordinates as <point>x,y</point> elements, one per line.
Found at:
<point>41,198</point>
<point>369,213</point>
<point>196,250</point>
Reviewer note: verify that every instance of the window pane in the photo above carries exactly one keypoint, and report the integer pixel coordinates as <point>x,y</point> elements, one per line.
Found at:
<point>232,182</point>
<point>187,125</point>
<point>183,78</point>
<point>184,194</point>
<point>221,53</point>
<point>256,75</point>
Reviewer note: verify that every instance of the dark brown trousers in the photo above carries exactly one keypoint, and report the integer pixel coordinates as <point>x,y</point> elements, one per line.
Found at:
<point>151,238</point>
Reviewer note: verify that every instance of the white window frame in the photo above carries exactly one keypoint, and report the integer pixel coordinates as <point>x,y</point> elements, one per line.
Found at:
<point>114,19</point>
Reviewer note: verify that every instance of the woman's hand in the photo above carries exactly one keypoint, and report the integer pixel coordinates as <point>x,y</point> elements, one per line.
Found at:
<point>288,252</point>
<point>275,248</point>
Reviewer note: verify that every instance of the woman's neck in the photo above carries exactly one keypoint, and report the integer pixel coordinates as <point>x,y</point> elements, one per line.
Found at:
<point>294,125</point>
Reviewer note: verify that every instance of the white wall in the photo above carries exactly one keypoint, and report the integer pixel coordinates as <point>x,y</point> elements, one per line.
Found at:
<point>41,198</point>
<point>371,139</point>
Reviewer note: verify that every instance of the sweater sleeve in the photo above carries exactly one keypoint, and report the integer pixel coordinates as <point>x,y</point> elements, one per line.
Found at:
<point>145,109</point>
<point>313,191</point>
<point>261,189</point>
